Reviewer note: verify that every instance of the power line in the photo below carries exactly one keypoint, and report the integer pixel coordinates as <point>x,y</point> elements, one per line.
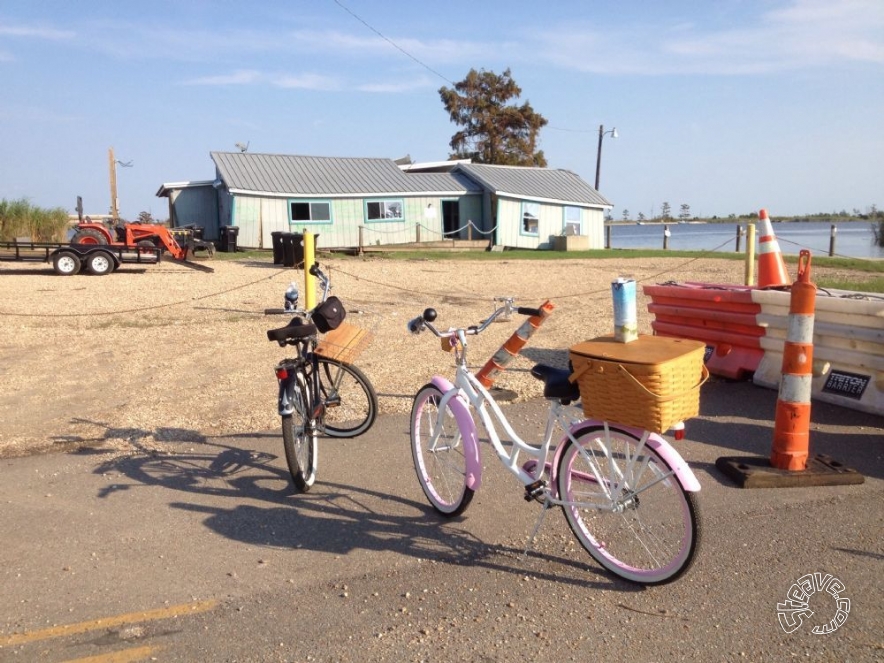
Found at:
<point>392,43</point>
<point>426,66</point>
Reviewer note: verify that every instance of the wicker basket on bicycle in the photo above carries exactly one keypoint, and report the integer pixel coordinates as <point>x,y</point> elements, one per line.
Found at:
<point>650,383</point>
<point>342,341</point>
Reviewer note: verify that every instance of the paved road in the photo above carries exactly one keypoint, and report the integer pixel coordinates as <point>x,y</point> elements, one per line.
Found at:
<point>205,554</point>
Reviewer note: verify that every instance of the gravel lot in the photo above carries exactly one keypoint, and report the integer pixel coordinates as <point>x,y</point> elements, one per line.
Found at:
<point>148,355</point>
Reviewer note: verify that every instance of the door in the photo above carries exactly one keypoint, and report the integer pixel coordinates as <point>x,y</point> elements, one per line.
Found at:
<point>450,218</point>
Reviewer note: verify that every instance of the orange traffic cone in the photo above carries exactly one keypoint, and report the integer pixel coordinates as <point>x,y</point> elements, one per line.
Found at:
<point>792,421</point>
<point>771,266</point>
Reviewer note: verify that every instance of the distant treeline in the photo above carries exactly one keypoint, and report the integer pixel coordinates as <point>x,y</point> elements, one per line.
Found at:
<point>835,217</point>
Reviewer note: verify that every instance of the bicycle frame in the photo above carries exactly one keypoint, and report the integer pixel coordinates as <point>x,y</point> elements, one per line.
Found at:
<point>468,392</point>
<point>626,494</point>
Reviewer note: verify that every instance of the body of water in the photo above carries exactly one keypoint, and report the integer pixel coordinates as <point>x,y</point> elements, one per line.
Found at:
<point>852,240</point>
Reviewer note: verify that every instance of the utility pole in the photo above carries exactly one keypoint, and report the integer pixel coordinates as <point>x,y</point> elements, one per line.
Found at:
<point>114,207</point>
<point>598,159</point>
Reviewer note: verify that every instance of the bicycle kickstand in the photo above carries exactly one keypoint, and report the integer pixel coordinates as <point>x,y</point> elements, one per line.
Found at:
<point>528,546</point>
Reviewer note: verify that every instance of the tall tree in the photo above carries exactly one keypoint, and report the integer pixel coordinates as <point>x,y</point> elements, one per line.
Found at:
<point>664,211</point>
<point>494,130</point>
<point>685,213</point>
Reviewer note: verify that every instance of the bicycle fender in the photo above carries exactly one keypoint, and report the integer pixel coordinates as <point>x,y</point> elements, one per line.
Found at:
<point>286,400</point>
<point>683,472</point>
<point>467,426</point>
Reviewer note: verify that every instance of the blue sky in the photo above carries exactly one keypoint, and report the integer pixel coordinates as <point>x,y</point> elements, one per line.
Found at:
<point>727,106</point>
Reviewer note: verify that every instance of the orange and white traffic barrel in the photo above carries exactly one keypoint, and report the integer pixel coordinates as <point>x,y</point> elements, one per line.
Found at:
<point>792,421</point>
<point>771,266</point>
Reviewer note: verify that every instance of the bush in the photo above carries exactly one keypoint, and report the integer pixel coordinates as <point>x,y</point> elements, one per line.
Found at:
<point>18,218</point>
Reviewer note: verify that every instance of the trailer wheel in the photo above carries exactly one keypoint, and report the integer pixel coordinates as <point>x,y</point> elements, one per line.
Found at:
<point>100,263</point>
<point>66,263</point>
<point>88,236</point>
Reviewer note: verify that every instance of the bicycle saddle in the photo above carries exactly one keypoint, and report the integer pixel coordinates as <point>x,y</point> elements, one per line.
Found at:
<point>296,329</point>
<point>556,383</point>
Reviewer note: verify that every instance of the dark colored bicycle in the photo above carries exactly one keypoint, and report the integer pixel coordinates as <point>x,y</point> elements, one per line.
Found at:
<point>318,395</point>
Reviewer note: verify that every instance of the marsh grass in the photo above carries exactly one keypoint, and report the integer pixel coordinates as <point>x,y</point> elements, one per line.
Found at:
<point>18,218</point>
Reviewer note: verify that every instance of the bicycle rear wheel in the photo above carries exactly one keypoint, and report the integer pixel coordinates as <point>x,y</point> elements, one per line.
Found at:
<point>438,453</point>
<point>351,404</point>
<point>299,437</point>
<point>626,507</point>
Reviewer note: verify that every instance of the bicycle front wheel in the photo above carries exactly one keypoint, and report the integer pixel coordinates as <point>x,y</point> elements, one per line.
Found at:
<point>438,452</point>
<point>626,507</point>
<point>299,437</point>
<point>351,404</point>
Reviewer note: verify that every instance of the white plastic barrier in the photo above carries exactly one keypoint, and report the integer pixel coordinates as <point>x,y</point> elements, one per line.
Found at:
<point>848,346</point>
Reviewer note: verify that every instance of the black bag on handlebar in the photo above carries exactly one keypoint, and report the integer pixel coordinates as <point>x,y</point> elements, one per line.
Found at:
<point>329,315</point>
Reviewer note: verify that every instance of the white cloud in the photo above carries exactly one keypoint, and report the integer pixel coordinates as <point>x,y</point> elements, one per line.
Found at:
<point>306,82</point>
<point>421,83</point>
<point>803,34</point>
<point>254,77</point>
<point>240,77</point>
<point>35,32</point>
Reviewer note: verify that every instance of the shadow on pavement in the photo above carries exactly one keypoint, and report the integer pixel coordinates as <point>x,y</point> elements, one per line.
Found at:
<point>332,518</point>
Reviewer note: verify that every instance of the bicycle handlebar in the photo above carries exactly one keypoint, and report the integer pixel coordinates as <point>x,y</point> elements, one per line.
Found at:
<point>300,326</point>
<point>426,319</point>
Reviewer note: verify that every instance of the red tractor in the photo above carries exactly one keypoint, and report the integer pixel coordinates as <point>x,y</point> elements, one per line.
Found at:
<point>140,234</point>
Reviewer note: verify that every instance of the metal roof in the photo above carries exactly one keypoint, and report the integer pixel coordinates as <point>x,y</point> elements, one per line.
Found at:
<point>340,177</point>
<point>167,187</point>
<point>546,184</point>
<point>290,175</point>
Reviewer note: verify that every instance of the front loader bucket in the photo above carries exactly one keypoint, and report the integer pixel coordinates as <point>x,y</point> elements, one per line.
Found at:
<point>194,245</point>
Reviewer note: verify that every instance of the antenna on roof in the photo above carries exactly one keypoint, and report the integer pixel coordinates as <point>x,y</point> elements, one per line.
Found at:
<point>243,148</point>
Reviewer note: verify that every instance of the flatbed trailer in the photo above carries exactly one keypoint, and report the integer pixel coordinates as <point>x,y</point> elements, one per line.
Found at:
<point>68,259</point>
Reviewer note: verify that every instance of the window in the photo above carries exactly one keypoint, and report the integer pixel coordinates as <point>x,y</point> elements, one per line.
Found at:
<point>530,218</point>
<point>302,211</point>
<point>384,210</point>
<point>572,225</point>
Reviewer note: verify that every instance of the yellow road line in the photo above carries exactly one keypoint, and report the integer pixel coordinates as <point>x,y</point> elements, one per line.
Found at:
<point>107,622</point>
<point>124,656</point>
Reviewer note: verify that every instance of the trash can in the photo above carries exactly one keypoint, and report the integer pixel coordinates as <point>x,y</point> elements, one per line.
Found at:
<point>276,236</point>
<point>298,249</point>
<point>228,238</point>
<point>288,249</point>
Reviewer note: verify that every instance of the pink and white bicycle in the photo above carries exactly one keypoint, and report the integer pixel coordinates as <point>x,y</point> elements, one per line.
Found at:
<point>628,496</point>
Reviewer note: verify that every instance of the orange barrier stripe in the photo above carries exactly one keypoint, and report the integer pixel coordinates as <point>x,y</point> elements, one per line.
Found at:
<point>791,436</point>
<point>798,358</point>
<point>803,300</point>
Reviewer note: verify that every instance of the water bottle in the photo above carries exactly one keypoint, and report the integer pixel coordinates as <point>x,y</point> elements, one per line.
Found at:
<point>291,297</point>
<point>625,322</point>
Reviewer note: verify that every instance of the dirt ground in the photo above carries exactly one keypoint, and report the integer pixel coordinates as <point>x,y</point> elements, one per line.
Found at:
<point>159,353</point>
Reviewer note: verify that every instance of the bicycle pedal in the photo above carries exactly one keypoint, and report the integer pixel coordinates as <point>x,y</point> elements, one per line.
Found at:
<point>535,490</point>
